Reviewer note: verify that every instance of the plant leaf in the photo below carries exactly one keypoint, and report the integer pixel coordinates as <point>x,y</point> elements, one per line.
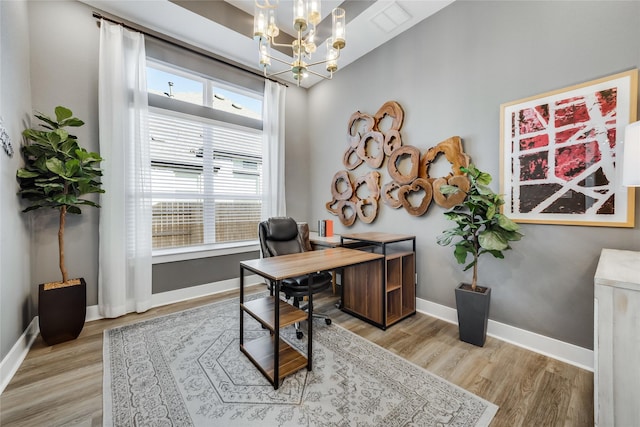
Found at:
<point>460,252</point>
<point>23,173</point>
<point>449,189</point>
<point>56,166</point>
<point>483,178</point>
<point>73,121</point>
<point>47,120</point>
<point>62,113</point>
<point>507,223</point>
<point>492,240</point>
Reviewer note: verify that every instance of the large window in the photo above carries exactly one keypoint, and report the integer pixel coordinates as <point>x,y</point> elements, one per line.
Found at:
<point>206,171</point>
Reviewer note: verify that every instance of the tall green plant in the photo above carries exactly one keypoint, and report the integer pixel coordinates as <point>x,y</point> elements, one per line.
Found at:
<point>480,227</point>
<point>58,171</point>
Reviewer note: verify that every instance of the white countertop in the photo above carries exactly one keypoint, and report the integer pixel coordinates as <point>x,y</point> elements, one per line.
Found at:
<point>618,268</point>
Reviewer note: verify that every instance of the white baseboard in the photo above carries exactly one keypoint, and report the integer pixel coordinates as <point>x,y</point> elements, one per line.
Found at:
<point>185,294</point>
<point>18,352</point>
<point>551,347</point>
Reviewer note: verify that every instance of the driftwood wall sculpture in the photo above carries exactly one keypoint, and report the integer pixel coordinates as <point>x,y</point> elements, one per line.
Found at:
<point>371,140</point>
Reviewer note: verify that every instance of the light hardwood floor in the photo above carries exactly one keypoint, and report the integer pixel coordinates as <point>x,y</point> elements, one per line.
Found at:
<point>62,385</point>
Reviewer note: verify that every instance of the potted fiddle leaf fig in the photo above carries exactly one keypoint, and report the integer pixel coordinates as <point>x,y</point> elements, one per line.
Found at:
<point>57,173</point>
<point>479,229</point>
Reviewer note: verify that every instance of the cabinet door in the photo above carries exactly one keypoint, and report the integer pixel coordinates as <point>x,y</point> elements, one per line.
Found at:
<point>363,290</point>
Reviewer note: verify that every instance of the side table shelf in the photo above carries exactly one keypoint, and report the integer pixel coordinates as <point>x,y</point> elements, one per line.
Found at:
<point>261,351</point>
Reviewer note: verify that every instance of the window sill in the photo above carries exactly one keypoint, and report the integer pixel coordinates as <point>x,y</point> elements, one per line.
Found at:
<point>161,256</point>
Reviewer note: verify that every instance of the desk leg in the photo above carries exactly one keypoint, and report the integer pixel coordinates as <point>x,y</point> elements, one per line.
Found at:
<point>310,325</point>
<point>276,337</point>
<point>333,281</point>
<point>340,304</point>
<point>241,302</point>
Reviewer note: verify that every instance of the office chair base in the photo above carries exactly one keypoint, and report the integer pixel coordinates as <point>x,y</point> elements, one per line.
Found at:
<point>300,334</point>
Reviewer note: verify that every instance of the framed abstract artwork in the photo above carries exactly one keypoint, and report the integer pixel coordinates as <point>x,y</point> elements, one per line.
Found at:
<point>561,154</point>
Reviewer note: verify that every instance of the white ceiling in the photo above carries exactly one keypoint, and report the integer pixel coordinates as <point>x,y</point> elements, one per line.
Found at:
<point>370,29</point>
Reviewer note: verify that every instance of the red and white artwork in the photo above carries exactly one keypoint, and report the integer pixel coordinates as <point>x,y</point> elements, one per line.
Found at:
<point>559,154</point>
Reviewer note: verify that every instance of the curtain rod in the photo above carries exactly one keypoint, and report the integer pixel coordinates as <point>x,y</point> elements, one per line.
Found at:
<point>183,45</point>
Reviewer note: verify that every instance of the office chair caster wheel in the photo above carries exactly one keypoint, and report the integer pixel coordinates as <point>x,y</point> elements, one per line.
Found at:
<point>299,335</point>
<point>327,321</point>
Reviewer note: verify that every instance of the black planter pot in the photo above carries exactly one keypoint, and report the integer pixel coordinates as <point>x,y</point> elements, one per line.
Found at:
<point>473,313</point>
<point>61,312</point>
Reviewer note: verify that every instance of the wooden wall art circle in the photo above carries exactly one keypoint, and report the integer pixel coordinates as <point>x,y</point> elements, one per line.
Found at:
<point>343,207</point>
<point>392,164</point>
<point>332,206</point>
<point>393,110</point>
<point>341,177</point>
<point>359,118</point>
<point>339,208</point>
<point>405,191</point>
<point>453,152</point>
<point>392,141</point>
<point>361,205</point>
<point>451,200</point>
<point>372,181</point>
<point>374,160</point>
<point>369,203</point>
<point>387,195</point>
<point>350,154</point>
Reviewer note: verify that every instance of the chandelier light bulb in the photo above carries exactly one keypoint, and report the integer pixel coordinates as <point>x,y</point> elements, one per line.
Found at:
<point>300,15</point>
<point>259,23</point>
<point>314,12</point>
<point>265,59</point>
<point>332,57</point>
<point>272,27</point>
<point>338,16</point>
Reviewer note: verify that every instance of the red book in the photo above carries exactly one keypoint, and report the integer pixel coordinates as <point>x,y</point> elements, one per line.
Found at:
<point>329,228</point>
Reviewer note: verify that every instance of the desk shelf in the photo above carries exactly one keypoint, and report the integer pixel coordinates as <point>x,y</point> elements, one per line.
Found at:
<point>387,301</point>
<point>263,310</point>
<point>260,352</point>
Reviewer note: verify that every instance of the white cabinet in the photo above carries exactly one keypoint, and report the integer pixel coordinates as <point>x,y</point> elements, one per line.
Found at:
<point>617,339</point>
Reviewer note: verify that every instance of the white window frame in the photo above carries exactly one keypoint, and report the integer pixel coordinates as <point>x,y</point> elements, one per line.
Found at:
<point>164,255</point>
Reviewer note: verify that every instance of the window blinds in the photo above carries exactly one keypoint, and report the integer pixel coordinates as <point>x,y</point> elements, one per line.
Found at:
<point>206,180</point>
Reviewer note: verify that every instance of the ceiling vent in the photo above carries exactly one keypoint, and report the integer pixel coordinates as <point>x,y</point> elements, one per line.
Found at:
<point>391,18</point>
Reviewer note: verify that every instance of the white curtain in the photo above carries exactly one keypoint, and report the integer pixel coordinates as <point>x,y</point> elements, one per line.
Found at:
<point>124,278</point>
<point>273,197</point>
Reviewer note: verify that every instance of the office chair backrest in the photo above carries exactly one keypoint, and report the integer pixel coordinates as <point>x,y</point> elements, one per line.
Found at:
<point>279,236</point>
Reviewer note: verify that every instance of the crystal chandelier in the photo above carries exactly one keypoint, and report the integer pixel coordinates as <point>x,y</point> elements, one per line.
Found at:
<point>306,15</point>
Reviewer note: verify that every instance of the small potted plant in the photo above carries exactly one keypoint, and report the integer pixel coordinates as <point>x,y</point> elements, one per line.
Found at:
<point>479,229</point>
<point>56,174</point>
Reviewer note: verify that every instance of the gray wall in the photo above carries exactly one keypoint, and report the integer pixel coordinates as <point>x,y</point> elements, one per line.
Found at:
<point>16,290</point>
<point>451,73</point>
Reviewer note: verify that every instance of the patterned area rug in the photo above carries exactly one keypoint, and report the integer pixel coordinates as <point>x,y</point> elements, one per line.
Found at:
<point>186,369</point>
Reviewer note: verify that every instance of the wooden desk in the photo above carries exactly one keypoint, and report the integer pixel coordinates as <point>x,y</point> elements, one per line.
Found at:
<point>273,356</point>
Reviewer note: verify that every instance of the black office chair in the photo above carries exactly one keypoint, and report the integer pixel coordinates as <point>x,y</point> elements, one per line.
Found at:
<point>281,236</point>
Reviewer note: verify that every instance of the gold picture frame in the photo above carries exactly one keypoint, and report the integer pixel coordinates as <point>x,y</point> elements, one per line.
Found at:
<point>560,156</point>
